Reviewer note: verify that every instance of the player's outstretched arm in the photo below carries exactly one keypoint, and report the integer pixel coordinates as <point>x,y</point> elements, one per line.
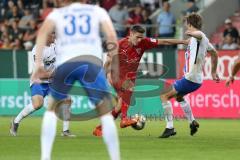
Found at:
<point>45,30</point>
<point>195,34</point>
<point>214,61</point>
<point>47,74</point>
<point>112,64</point>
<point>235,69</point>
<point>107,64</point>
<point>107,68</point>
<point>172,41</point>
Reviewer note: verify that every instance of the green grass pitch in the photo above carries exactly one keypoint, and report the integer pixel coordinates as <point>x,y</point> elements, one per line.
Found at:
<point>216,140</point>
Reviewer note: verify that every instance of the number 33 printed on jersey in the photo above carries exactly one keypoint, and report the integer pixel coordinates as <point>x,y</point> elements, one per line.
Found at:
<point>80,24</point>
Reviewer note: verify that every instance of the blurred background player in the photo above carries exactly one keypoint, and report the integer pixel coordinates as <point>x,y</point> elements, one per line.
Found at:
<point>198,46</point>
<point>77,28</point>
<point>131,50</point>
<point>40,90</point>
<point>235,69</point>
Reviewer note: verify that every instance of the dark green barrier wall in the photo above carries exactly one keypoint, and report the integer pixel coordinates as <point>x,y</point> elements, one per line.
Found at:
<point>7,60</point>
<point>22,64</point>
<point>165,58</point>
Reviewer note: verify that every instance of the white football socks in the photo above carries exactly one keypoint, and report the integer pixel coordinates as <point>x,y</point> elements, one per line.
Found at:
<point>65,125</point>
<point>109,129</point>
<point>187,111</point>
<point>66,116</point>
<point>110,136</point>
<point>48,134</point>
<point>168,114</point>
<point>24,113</point>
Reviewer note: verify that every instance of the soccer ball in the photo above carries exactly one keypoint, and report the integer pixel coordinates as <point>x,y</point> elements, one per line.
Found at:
<point>141,120</point>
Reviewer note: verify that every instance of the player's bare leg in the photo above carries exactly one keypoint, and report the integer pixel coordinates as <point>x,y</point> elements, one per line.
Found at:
<point>168,113</point>
<point>194,125</point>
<point>36,103</point>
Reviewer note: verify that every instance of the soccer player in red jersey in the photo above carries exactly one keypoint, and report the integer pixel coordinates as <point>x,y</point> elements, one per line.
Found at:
<point>131,50</point>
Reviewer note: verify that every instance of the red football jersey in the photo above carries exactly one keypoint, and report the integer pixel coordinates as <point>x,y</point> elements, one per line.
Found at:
<point>130,56</point>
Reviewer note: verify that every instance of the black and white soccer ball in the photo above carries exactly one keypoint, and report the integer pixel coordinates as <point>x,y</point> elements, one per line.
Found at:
<point>141,121</point>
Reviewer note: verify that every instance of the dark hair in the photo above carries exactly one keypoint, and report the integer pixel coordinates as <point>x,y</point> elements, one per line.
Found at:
<point>137,28</point>
<point>195,20</point>
<point>78,0</point>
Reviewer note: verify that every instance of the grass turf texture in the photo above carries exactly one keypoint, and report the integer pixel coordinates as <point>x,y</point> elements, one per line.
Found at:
<point>216,139</point>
